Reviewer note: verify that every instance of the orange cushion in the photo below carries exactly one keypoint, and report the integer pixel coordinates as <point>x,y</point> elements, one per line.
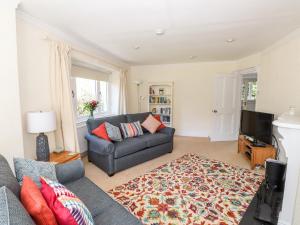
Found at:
<point>101,132</point>
<point>161,125</point>
<point>151,124</point>
<point>35,204</point>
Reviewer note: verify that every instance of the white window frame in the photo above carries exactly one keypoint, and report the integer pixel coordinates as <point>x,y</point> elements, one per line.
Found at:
<point>80,119</point>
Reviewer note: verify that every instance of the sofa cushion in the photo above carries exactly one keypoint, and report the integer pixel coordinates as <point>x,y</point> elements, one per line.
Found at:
<point>67,207</point>
<point>12,211</point>
<point>102,207</point>
<point>151,124</point>
<point>131,129</point>
<point>161,123</point>
<point>113,132</point>
<point>155,139</point>
<point>34,169</point>
<point>7,177</point>
<point>35,204</point>
<point>114,120</point>
<point>138,117</point>
<point>101,132</point>
<point>129,146</point>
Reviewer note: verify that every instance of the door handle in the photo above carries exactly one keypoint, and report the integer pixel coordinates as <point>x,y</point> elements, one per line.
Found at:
<point>215,111</point>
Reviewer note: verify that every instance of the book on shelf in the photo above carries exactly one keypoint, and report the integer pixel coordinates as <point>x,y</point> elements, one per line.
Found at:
<point>159,100</point>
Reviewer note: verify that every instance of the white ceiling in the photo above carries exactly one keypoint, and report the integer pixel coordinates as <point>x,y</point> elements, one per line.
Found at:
<point>193,27</point>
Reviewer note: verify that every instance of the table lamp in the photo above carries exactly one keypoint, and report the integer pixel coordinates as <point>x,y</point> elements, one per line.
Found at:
<point>40,123</point>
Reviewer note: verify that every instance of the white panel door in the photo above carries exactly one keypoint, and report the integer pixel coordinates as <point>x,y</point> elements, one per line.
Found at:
<point>226,108</point>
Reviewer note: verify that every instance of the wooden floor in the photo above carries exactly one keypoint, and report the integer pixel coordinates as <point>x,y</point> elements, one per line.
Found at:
<point>223,151</point>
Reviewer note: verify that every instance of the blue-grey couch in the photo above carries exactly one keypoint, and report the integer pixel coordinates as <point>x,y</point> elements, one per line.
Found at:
<point>116,156</point>
<point>105,210</point>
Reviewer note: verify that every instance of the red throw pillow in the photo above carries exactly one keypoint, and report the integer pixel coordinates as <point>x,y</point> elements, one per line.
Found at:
<point>101,132</point>
<point>67,207</point>
<point>161,125</point>
<point>35,204</point>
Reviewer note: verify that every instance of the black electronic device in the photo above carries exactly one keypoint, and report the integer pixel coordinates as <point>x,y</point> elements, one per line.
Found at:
<point>269,196</point>
<point>258,126</point>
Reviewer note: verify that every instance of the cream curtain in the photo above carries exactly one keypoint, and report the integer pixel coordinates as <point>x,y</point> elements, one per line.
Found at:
<point>60,67</point>
<point>123,92</point>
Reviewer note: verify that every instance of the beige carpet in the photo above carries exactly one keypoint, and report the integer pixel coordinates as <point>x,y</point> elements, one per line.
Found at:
<point>223,151</point>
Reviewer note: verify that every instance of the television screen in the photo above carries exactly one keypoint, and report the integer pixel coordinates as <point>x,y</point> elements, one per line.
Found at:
<point>257,125</point>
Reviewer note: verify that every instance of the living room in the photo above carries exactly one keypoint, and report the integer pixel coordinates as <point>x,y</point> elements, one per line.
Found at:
<point>161,57</point>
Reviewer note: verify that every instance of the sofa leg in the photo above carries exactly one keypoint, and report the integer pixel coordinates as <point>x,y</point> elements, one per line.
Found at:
<point>110,175</point>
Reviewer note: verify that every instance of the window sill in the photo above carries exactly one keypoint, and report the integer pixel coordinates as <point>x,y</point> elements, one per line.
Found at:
<point>82,121</point>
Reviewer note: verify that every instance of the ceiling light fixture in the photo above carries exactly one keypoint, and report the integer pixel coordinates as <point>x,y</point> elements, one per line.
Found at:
<point>192,57</point>
<point>160,32</point>
<point>136,47</point>
<point>230,40</point>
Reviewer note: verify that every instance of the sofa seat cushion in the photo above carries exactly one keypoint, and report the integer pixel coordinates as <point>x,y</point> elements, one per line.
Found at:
<point>155,139</point>
<point>90,194</point>
<point>102,207</point>
<point>129,146</point>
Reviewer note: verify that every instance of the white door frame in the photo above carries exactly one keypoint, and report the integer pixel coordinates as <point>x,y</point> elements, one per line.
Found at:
<point>240,74</point>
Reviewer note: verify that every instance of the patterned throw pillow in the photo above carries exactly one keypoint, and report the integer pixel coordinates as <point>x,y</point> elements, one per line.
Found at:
<point>151,124</point>
<point>131,129</point>
<point>113,132</point>
<point>67,207</point>
<point>34,169</point>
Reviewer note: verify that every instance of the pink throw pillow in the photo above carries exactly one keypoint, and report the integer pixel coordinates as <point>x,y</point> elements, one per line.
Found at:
<point>151,124</point>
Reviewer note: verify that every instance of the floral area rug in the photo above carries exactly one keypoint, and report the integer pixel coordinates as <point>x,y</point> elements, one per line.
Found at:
<point>190,190</point>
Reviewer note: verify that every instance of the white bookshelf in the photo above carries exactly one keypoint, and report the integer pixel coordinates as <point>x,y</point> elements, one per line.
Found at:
<point>160,101</point>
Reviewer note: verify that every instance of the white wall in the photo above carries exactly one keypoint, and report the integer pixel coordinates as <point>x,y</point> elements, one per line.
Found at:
<point>279,75</point>
<point>33,57</point>
<point>11,139</point>
<point>33,54</point>
<point>193,91</point>
<point>279,81</point>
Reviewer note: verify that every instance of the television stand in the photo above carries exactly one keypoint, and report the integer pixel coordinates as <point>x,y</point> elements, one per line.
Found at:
<point>257,154</point>
<point>258,144</point>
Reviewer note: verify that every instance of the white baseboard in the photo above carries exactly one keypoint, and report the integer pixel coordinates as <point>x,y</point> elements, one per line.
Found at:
<point>201,134</point>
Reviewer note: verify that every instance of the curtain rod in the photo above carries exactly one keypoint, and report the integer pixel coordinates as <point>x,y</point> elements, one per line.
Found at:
<point>108,64</point>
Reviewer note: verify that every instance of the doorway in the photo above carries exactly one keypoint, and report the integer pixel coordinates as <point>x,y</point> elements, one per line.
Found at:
<point>248,91</point>
<point>232,93</point>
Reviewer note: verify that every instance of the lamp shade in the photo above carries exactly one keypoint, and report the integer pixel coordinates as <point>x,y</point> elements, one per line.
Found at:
<point>41,122</point>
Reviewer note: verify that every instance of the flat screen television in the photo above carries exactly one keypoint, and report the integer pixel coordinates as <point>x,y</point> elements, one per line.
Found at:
<point>257,125</point>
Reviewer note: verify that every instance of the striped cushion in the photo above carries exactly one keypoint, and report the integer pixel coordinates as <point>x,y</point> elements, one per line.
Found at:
<point>131,129</point>
<point>66,206</point>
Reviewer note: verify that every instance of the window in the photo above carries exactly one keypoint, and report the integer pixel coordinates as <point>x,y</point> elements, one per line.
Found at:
<point>249,91</point>
<point>252,90</point>
<point>86,90</point>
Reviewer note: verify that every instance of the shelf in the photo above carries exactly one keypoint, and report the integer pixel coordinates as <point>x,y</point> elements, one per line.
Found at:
<point>160,100</point>
<point>160,95</point>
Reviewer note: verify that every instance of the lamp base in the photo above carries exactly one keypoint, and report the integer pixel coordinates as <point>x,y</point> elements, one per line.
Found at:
<point>42,148</point>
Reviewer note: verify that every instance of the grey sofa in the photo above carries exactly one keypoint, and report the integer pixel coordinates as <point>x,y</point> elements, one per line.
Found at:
<point>103,208</point>
<point>113,157</point>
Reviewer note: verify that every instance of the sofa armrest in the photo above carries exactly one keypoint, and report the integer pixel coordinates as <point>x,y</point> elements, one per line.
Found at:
<point>70,171</point>
<point>168,130</point>
<point>99,145</point>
